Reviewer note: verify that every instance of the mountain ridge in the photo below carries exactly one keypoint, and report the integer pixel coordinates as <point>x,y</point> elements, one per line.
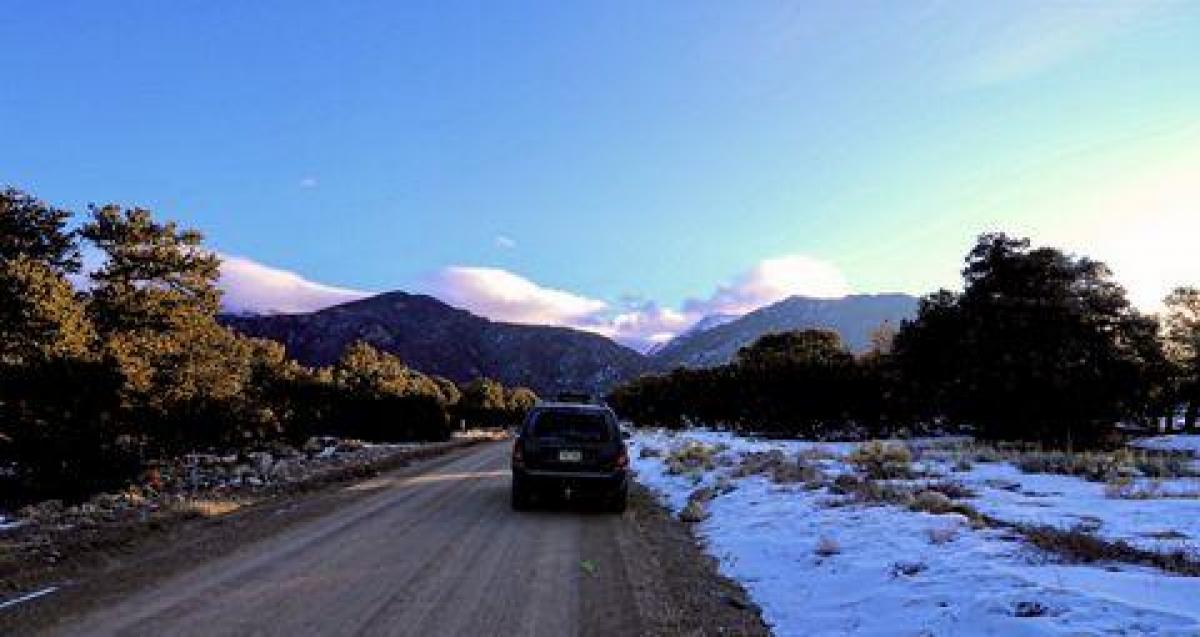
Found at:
<point>853,317</point>
<point>438,338</point>
<point>441,339</point>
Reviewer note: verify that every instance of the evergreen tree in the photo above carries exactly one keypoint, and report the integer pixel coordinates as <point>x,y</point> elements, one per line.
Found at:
<point>1039,345</point>
<point>155,276</point>
<point>32,229</point>
<point>1182,342</point>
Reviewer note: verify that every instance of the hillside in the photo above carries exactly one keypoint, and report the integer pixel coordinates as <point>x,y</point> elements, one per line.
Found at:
<point>853,317</point>
<point>436,338</point>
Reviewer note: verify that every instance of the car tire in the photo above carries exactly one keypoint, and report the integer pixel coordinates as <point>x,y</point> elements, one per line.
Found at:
<point>520,497</point>
<point>619,501</point>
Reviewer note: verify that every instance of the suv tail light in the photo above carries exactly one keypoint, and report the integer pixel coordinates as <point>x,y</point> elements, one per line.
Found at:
<point>622,458</point>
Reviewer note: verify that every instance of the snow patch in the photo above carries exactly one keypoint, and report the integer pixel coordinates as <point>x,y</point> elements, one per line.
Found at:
<point>901,572</point>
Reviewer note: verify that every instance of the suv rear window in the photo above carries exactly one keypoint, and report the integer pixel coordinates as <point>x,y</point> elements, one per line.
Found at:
<point>575,426</point>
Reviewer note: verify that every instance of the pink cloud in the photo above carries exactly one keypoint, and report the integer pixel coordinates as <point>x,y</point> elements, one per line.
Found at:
<point>505,296</point>
<point>252,287</point>
<point>501,295</point>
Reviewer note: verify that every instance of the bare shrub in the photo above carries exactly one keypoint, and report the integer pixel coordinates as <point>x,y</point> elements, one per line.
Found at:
<point>1165,465</point>
<point>872,492</point>
<point>691,457</point>
<point>759,462</point>
<point>724,485</point>
<point>1125,488</point>
<point>695,511</point>
<point>932,502</point>
<point>953,490</point>
<point>1096,466</point>
<point>987,453</point>
<point>703,494</point>
<point>846,484</point>
<point>882,460</point>
<point>797,471</point>
<point>814,454</point>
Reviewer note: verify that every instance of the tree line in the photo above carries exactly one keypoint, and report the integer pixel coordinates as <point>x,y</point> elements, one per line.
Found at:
<point>102,371</point>
<point>1039,345</point>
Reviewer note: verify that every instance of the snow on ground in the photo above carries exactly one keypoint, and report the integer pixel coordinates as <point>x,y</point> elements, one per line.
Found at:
<point>883,570</point>
<point>1187,443</point>
<point>1159,524</point>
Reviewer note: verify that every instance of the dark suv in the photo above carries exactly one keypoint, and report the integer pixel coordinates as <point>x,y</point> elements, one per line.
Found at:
<point>568,449</point>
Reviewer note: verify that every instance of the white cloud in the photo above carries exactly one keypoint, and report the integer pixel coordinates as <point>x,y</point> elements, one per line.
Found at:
<point>505,242</point>
<point>250,286</point>
<point>503,296</point>
<point>308,183</point>
<point>773,280</point>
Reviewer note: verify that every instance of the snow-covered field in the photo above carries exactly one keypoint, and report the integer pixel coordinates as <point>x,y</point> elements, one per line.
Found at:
<point>1189,443</point>
<point>860,569</point>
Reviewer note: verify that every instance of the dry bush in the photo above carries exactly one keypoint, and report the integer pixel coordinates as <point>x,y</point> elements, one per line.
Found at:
<point>863,491</point>
<point>1078,545</point>
<point>953,490</point>
<point>695,511</point>
<point>1165,465</point>
<point>1126,488</point>
<point>882,460</point>
<point>1075,544</point>
<point>814,454</point>
<point>691,457</point>
<point>724,485</point>
<point>798,471</point>
<point>846,484</point>
<point>1097,466</point>
<point>758,462</point>
<point>932,502</point>
<point>703,494</point>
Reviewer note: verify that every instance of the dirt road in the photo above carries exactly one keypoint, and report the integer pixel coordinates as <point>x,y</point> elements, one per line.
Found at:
<point>438,553</point>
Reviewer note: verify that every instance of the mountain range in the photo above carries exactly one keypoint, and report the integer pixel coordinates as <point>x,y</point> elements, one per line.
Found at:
<point>437,338</point>
<point>853,317</point>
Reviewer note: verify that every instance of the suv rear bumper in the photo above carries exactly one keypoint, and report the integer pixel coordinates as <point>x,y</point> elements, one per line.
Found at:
<point>582,481</point>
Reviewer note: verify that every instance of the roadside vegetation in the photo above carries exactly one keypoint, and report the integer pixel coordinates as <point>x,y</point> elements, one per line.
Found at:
<point>915,529</point>
<point>1040,347</point>
<point>108,372</point>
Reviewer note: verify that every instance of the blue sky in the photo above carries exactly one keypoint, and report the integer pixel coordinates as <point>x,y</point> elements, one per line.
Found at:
<point>619,166</point>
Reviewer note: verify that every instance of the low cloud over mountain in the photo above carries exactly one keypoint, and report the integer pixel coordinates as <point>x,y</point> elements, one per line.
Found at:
<point>253,288</point>
<point>501,295</point>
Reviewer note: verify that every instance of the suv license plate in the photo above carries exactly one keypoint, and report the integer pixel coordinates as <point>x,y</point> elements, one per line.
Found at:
<point>570,456</point>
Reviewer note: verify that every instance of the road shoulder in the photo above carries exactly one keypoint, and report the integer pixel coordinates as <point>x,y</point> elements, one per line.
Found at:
<point>109,566</point>
<point>679,588</point>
